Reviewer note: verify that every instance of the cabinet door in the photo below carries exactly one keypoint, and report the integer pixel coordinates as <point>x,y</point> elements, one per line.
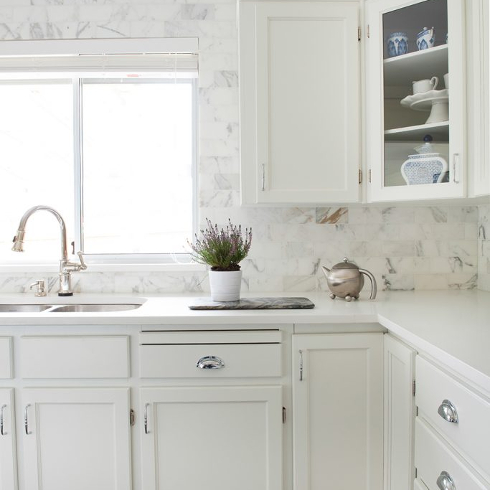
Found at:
<point>415,141</point>
<point>399,414</point>
<point>8,464</point>
<point>299,102</point>
<point>76,439</point>
<point>338,411</point>
<point>478,61</point>
<point>212,437</point>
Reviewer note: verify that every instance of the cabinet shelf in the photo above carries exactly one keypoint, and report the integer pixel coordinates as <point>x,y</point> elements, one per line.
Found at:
<point>439,131</point>
<point>402,70</point>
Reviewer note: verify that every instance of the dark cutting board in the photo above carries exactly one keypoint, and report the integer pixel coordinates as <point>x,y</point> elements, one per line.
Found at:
<point>253,304</point>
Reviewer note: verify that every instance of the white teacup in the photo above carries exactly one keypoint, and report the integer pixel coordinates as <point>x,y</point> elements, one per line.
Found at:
<point>446,80</point>
<point>422,86</point>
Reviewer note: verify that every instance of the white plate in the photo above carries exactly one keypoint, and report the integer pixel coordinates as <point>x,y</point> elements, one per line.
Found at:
<point>424,100</point>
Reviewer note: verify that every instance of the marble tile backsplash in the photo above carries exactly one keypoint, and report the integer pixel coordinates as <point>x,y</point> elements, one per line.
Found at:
<point>484,247</point>
<point>406,248</point>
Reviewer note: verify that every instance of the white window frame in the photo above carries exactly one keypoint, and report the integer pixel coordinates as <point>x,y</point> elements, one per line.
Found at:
<point>40,54</point>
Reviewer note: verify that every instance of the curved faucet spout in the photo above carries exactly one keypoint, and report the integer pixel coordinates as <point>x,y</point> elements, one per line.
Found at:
<point>19,237</point>
<point>66,267</point>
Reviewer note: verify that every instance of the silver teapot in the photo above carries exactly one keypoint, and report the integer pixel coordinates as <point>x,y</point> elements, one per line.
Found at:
<point>346,280</point>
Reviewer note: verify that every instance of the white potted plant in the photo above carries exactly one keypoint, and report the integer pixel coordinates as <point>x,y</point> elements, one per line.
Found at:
<point>222,250</point>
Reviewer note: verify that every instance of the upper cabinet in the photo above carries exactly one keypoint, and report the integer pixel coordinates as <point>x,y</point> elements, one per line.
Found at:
<point>299,102</point>
<point>478,60</point>
<point>415,123</point>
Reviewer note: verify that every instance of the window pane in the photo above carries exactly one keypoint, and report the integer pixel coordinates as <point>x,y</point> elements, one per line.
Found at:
<point>36,165</point>
<point>137,166</point>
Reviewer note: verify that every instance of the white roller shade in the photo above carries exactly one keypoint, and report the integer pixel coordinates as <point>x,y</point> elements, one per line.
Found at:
<point>104,57</point>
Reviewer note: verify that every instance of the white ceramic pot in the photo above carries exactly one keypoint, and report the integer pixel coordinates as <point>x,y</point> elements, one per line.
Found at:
<point>225,285</point>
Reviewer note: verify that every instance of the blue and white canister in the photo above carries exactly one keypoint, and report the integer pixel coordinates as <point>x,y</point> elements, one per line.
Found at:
<point>397,44</point>
<point>426,38</point>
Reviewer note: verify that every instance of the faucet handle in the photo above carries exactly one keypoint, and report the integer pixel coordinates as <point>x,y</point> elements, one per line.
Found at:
<point>41,289</point>
<point>83,265</point>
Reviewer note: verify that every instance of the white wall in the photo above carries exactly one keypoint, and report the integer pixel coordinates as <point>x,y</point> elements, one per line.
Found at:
<point>405,247</point>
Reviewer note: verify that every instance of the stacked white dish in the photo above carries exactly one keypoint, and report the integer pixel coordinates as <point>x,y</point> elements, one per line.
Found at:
<point>435,101</point>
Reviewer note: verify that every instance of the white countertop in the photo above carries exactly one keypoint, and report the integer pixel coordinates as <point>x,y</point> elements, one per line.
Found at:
<point>451,326</point>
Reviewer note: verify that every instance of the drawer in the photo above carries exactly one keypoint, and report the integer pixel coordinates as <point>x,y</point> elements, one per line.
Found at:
<point>219,355</point>
<point>5,357</point>
<point>471,433</point>
<point>63,357</point>
<point>433,457</point>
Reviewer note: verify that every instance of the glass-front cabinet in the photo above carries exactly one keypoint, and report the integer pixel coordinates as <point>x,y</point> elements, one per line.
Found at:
<point>415,122</point>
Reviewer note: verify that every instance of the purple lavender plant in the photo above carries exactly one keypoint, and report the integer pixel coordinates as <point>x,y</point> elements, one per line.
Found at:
<point>222,250</point>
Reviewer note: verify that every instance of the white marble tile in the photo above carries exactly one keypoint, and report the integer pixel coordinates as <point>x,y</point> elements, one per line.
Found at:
<point>462,281</point>
<point>299,283</point>
<point>431,214</point>
<point>400,215</point>
<point>197,11</point>
<point>431,281</point>
<point>397,282</point>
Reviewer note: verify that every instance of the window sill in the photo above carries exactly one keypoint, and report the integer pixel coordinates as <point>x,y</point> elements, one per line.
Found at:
<point>51,268</point>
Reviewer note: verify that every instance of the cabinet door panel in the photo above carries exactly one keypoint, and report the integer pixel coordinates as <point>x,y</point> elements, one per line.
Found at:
<point>77,439</point>
<point>301,143</point>
<point>212,437</point>
<point>338,411</point>
<point>8,463</point>
<point>399,413</point>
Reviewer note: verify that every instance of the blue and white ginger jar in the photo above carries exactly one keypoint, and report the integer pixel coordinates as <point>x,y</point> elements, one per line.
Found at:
<point>397,44</point>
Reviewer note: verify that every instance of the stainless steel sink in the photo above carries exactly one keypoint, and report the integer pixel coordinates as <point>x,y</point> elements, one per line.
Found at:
<point>94,308</point>
<point>20,308</point>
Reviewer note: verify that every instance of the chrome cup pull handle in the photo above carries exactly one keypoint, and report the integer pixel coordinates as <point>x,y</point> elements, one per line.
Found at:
<point>445,482</point>
<point>2,428</point>
<point>448,412</point>
<point>26,420</point>
<point>210,362</point>
<point>145,418</point>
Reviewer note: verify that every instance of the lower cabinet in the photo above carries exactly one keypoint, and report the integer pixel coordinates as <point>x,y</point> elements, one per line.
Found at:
<point>76,438</point>
<point>212,437</point>
<point>8,466</point>
<point>399,414</point>
<point>338,411</point>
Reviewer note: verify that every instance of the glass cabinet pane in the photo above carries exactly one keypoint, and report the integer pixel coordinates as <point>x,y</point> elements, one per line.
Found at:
<point>416,96</point>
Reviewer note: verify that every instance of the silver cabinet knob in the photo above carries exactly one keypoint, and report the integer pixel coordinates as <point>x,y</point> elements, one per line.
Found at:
<point>448,412</point>
<point>445,482</point>
<point>210,362</point>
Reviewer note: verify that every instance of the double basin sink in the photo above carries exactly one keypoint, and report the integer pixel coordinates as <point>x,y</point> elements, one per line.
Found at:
<point>74,308</point>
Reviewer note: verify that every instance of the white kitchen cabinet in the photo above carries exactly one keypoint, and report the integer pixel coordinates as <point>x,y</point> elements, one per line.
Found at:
<point>399,414</point>
<point>478,62</point>
<point>220,437</point>
<point>8,464</point>
<point>76,438</point>
<point>338,411</point>
<point>299,102</point>
<point>394,132</point>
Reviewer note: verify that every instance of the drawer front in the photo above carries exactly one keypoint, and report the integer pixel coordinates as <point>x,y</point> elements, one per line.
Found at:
<point>5,358</point>
<point>217,361</point>
<point>471,433</point>
<point>433,459</point>
<point>74,357</point>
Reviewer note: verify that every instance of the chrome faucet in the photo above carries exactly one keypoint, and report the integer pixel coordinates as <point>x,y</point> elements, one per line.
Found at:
<point>66,267</point>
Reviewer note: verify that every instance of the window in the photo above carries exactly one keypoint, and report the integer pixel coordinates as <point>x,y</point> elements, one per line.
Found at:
<point>109,141</point>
